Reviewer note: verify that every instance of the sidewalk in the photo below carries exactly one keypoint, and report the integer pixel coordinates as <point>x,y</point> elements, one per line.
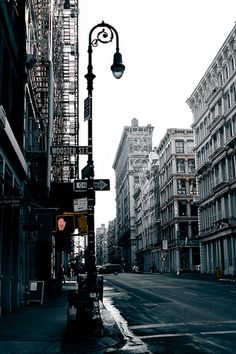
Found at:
<point>203,276</point>
<point>35,328</point>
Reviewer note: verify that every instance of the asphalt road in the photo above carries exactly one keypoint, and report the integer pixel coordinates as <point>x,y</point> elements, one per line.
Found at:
<point>174,314</point>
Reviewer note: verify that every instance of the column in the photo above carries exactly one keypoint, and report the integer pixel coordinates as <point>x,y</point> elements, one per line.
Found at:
<point>233,247</point>
<point>220,173</point>
<point>234,166</point>
<point>202,249</point>
<point>227,168</point>
<point>224,134</point>
<point>207,258</point>
<point>191,258</point>
<point>229,206</point>
<point>219,253</point>
<point>223,213</point>
<point>211,258</point>
<point>177,266</point>
<point>226,256</point>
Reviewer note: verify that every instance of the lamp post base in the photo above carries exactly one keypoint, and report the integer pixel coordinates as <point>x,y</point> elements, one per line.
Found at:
<point>84,303</point>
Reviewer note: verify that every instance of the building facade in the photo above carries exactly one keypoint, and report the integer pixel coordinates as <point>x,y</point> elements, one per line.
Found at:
<point>177,184</point>
<point>38,56</point>
<point>147,216</point>
<point>17,247</point>
<point>213,104</point>
<point>131,157</point>
<point>101,245</point>
<point>111,242</point>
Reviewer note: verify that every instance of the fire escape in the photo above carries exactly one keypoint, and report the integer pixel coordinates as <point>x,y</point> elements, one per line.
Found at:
<point>37,95</point>
<point>64,29</point>
<point>65,62</point>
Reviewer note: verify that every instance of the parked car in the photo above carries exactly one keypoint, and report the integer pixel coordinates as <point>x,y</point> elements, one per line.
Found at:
<point>110,269</point>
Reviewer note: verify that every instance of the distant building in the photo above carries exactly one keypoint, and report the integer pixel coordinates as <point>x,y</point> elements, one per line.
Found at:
<point>131,157</point>
<point>101,245</point>
<point>177,189</point>
<point>213,104</point>
<point>112,242</point>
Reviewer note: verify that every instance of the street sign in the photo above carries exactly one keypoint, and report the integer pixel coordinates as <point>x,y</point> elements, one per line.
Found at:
<point>80,204</point>
<point>69,150</point>
<point>101,184</point>
<point>88,108</point>
<point>5,202</point>
<point>80,185</point>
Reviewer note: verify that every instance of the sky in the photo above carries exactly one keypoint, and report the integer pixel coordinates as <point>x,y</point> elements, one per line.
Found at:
<point>166,46</point>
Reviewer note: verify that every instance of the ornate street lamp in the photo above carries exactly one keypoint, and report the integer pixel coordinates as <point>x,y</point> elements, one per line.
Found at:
<point>105,35</point>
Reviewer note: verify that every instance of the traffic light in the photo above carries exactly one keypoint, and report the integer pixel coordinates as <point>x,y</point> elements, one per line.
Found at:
<point>65,223</point>
<point>64,228</point>
<point>82,223</point>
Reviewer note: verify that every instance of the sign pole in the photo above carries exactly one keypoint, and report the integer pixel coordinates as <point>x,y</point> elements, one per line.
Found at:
<point>90,262</point>
<point>103,36</point>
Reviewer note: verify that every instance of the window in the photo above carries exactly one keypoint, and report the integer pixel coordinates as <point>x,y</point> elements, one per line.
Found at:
<point>183,230</point>
<point>192,187</point>
<point>181,186</point>
<point>234,93</point>
<point>194,229</point>
<point>190,145</point>
<point>182,204</point>
<point>231,64</point>
<point>226,73</point>
<point>191,166</point>
<point>179,146</point>
<point>193,209</point>
<point>220,79</point>
<point>8,182</point>
<point>228,101</point>
<point>180,165</point>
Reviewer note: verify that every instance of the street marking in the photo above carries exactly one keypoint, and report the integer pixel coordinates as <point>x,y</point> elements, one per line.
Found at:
<point>166,335</point>
<point>186,292</point>
<point>186,334</point>
<point>217,332</point>
<point>193,323</point>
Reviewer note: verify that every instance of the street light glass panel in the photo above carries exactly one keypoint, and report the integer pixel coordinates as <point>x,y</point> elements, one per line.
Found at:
<point>117,67</point>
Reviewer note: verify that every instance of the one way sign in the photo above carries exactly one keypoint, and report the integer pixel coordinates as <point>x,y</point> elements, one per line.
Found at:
<point>101,184</point>
<point>98,185</point>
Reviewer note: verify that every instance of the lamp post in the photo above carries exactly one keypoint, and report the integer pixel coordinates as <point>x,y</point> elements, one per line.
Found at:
<point>105,35</point>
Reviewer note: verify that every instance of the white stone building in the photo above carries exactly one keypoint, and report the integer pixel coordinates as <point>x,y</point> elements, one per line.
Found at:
<point>147,217</point>
<point>213,104</point>
<point>178,212</point>
<point>131,157</point>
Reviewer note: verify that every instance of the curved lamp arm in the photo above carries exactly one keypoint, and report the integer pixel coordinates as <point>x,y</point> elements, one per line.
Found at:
<point>106,35</point>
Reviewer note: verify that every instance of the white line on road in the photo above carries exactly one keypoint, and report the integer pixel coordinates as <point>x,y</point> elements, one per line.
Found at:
<point>176,324</point>
<point>186,292</point>
<point>186,334</point>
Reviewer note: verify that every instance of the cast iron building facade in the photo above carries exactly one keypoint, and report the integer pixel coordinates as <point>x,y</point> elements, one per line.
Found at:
<point>131,157</point>
<point>147,216</point>
<point>177,190</point>
<point>213,104</point>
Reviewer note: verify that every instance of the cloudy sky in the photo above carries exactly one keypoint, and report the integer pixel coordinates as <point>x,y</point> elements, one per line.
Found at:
<point>166,46</point>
